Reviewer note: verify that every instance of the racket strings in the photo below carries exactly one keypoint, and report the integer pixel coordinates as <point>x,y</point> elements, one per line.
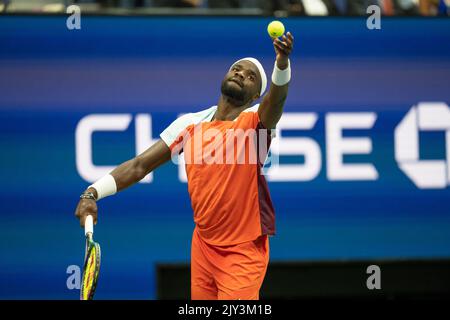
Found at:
<point>90,272</point>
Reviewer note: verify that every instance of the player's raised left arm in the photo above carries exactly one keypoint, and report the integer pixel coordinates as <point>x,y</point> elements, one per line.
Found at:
<point>271,107</point>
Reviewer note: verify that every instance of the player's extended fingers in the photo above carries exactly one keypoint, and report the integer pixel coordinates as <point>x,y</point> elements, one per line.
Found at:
<point>288,45</point>
<point>284,46</point>
<point>280,48</point>
<point>279,44</point>
<point>287,42</point>
<point>290,41</point>
<point>284,43</point>
<point>290,36</point>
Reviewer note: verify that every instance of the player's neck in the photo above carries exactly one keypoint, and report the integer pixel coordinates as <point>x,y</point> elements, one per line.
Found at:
<point>227,109</point>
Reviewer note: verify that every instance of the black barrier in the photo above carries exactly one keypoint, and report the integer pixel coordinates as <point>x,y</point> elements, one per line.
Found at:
<point>398,280</point>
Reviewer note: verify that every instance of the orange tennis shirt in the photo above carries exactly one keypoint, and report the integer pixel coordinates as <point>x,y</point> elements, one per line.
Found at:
<point>223,159</point>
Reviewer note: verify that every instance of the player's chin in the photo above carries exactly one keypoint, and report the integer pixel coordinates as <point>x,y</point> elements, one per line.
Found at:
<point>232,89</point>
<point>234,86</point>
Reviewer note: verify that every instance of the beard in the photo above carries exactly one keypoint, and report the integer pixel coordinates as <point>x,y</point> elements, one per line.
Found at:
<point>234,92</point>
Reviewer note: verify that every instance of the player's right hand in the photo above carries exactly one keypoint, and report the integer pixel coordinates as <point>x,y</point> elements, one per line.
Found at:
<point>85,208</point>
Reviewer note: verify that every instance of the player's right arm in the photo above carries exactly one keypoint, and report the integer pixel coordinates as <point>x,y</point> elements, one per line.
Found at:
<point>136,169</point>
<point>125,175</point>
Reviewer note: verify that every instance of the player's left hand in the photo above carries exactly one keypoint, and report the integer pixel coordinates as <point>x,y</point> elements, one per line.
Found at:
<point>283,48</point>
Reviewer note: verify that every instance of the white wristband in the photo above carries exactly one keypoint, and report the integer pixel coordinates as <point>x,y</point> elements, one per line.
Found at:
<point>281,77</point>
<point>106,186</point>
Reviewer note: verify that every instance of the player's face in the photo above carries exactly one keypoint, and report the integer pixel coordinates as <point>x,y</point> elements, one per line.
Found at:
<point>242,83</point>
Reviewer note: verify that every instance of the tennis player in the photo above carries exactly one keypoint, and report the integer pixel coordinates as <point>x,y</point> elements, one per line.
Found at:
<point>233,211</point>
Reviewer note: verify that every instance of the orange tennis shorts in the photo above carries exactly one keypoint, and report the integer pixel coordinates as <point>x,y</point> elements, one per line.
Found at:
<point>234,272</point>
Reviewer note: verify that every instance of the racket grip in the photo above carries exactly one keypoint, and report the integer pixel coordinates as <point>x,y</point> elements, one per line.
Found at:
<point>89,225</point>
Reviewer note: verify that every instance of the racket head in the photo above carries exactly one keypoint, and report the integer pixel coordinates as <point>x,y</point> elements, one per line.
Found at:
<point>91,270</point>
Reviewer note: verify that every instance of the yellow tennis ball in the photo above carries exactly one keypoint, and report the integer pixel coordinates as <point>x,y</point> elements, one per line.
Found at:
<point>275,29</point>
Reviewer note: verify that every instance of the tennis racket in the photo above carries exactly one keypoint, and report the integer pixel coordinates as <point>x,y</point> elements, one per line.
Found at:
<point>91,266</point>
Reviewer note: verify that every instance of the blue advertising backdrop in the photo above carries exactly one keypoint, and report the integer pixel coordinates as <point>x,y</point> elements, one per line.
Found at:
<point>52,78</point>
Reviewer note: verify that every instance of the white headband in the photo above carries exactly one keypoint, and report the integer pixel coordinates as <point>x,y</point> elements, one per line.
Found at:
<point>262,73</point>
